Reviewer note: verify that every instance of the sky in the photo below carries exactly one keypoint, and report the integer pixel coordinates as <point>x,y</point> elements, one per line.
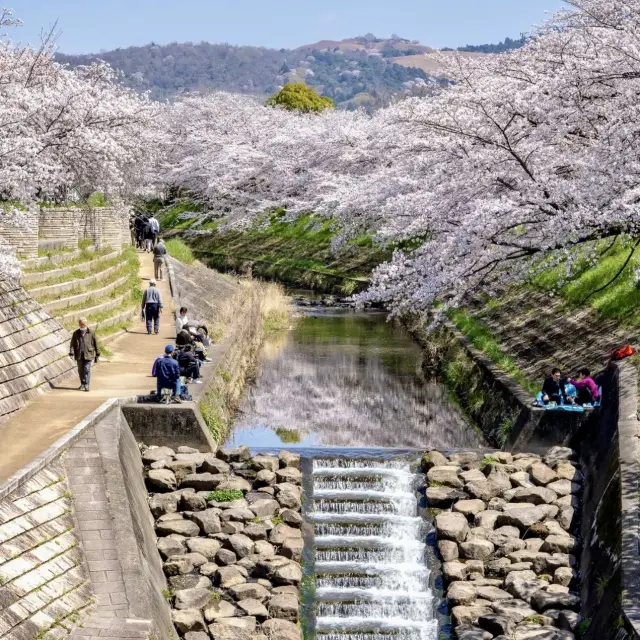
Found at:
<point>89,26</point>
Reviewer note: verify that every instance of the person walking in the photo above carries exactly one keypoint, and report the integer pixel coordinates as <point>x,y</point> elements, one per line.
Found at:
<point>84,350</point>
<point>155,229</point>
<point>159,252</point>
<point>167,371</point>
<point>152,307</point>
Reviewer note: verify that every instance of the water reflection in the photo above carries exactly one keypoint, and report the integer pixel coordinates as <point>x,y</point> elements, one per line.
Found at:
<point>347,379</point>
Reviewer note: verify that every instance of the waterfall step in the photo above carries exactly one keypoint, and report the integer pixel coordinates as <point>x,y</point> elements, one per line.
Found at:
<point>352,594</point>
<point>366,542</point>
<point>369,624</point>
<point>368,495</point>
<point>369,568</point>
<point>355,517</point>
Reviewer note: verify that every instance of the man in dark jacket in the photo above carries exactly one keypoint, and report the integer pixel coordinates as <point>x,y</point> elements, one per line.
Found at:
<point>152,307</point>
<point>167,371</point>
<point>553,388</point>
<point>84,350</point>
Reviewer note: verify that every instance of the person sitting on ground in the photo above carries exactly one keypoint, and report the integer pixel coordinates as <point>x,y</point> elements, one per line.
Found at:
<point>189,364</point>
<point>182,320</point>
<point>587,388</point>
<point>167,371</point>
<point>184,338</point>
<point>553,388</point>
<point>203,332</point>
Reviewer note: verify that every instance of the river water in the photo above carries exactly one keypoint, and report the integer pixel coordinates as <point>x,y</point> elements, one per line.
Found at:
<point>342,378</point>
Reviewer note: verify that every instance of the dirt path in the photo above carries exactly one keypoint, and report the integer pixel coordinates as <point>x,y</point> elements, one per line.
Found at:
<point>126,373</point>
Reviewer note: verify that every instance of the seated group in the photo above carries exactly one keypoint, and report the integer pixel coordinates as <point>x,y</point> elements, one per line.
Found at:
<point>559,392</point>
<point>184,359</point>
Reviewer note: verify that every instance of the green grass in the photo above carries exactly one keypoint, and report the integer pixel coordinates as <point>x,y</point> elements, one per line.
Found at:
<point>288,436</point>
<point>225,495</point>
<point>180,251</point>
<point>482,339</point>
<point>84,256</point>
<point>619,301</point>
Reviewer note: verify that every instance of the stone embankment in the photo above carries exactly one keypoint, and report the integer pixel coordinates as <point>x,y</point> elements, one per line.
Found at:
<point>506,541</point>
<point>228,528</point>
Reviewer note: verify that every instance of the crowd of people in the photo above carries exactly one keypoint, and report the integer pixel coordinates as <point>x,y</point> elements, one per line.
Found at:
<point>144,231</point>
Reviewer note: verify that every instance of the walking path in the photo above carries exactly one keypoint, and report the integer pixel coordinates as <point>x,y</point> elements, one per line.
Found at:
<point>126,373</point>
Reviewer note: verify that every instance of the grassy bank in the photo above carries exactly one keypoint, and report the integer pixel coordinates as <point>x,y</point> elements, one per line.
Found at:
<point>298,252</point>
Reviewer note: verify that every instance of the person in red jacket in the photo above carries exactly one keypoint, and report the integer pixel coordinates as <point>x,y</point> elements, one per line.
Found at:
<point>587,388</point>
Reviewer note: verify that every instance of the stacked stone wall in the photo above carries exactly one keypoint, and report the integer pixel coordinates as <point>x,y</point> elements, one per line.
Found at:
<point>111,227</point>
<point>60,226</point>
<point>33,349</point>
<point>23,240</point>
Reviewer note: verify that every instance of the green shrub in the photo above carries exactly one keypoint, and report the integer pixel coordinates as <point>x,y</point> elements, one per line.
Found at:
<point>180,251</point>
<point>225,495</point>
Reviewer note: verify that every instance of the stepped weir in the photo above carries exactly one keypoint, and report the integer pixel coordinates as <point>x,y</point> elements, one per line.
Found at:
<point>372,579</point>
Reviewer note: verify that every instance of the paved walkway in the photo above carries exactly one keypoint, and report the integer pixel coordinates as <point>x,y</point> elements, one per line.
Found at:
<point>126,373</point>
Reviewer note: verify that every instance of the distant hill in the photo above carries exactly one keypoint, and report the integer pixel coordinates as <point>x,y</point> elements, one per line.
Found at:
<point>364,71</point>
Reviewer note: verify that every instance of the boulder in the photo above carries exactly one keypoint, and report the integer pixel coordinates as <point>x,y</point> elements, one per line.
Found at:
<point>291,517</point>
<point>226,557</point>
<point>468,615</point>
<point>463,458</point>
<point>476,549</point>
<point>235,484</point>
<point>519,576</point>
<point>181,527</point>
<point>228,577</point>
<point>448,550</point>
<point>168,547</point>
<point>253,608</point>
<point>289,475</point>
<point>541,474</point>
<point>565,576</point>
<point>233,628</point>
<point>193,502</point>
<point>282,630</point>
<point>443,497</point>
<point>484,491</point>
<point>496,566</point>
<point>238,454</point>
<point>565,487</point>
<point>203,481</point>
<point>496,625</point>
<point>492,593</point>
<point>452,526</point>
<point>487,519</point>
<point>434,459</point>
<point>279,570</point>
<point>543,600</point>
<point>469,507</point>
<point>212,464</point>
<point>188,620</point>
<point>256,531</point>
<point>567,471</point>
<point>521,479</point>
<point>560,454</point>
<point>288,459</point>
<point>473,475</point>
<point>461,593</point>
<point>153,454</point>
<point>514,610</point>
<point>196,458</point>
<point>524,589</point>
<point>264,478</point>
<point>241,515</point>
<point>559,544</point>
<point>204,546</point>
<point>231,527</point>
<point>475,569</point>
<point>284,606</point>
<point>162,480</point>
<point>207,521</point>
<point>454,571</point>
<point>196,635</point>
<point>219,609</point>
<point>522,518</point>
<point>251,590</point>
<point>260,462</point>
<point>264,508</point>
<point>566,518</point>
<point>192,598</point>
<point>197,559</point>
<point>534,495</point>
<point>447,476</point>
<point>265,549</point>
<point>534,544</point>
<point>189,581</point>
<point>164,503</point>
<point>568,620</point>
<point>292,548</point>
<point>177,565</point>
<point>282,532</point>
<point>241,545</point>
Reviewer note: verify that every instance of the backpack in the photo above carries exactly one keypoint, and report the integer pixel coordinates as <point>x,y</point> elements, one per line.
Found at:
<point>623,352</point>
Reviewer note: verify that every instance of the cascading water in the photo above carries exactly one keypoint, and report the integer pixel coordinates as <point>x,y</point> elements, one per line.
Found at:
<point>372,581</point>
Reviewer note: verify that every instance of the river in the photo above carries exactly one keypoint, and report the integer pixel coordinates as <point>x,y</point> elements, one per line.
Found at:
<point>343,378</point>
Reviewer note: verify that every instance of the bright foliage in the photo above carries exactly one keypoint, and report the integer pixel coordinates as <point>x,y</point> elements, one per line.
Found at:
<point>299,97</point>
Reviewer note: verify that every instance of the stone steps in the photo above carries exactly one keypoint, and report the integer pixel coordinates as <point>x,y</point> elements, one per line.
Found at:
<point>43,261</point>
<point>74,316</point>
<point>71,301</point>
<point>84,267</point>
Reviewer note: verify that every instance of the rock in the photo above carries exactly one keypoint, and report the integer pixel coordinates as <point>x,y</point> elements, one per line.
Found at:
<point>463,458</point>
<point>514,610</point>
<point>279,570</point>
<point>541,474</point>
<point>484,491</point>
<point>487,519</point>
<point>209,568</point>
<point>184,449</point>
<point>454,571</point>
<point>495,567</point>
<point>521,479</point>
<point>447,476</point>
<point>568,620</point>
<point>443,497</point>
<point>465,615</point>
<point>260,462</point>
<point>567,471</point>
<point>507,532</point>
<point>228,577</point>
<point>469,507</point>
<point>169,547</point>
<point>219,609</point>
<point>248,563</point>
<point>233,628</point>
<point>264,508</point>
<point>241,515</point>
<point>524,589</point>
<point>534,495</point>
<point>196,458</point>
<point>249,475</point>
<point>567,501</point>
<point>203,481</point>
<point>197,559</point>
<point>290,475</point>
<point>543,600</point>
<point>565,487</point>
<point>204,546</point>
<point>264,549</point>
<point>496,625</point>
<point>226,557</point>
<point>522,518</point>
<point>478,533</point>
<point>254,608</point>
<point>566,518</point>
<point>207,521</point>
<point>433,459</point>
<point>518,567</point>
<point>181,527</point>
<point>474,566</point>
<point>193,502</point>
<point>168,517</point>
<point>188,620</point>
<point>557,588</point>
<point>281,532</point>
<point>251,590</point>
<point>282,630</point>
<point>264,478</point>
<point>196,635</point>
<point>291,517</point>
<point>559,544</point>
<point>182,468</point>
<point>473,475</point>
<point>452,526</point>
<point>235,484</point>
<point>231,527</point>
<point>284,606</point>
<point>492,593</point>
<point>534,544</point>
<point>476,549</point>
<point>288,459</point>
<point>164,503</point>
<point>448,550</point>
<point>192,598</point>
<point>525,575</point>
<point>162,480</point>
<point>241,545</point>
<point>292,548</point>
<point>461,593</point>
<point>545,563</point>
<point>239,454</point>
<point>189,581</point>
<point>565,576</point>
<point>153,454</point>
<point>256,531</point>
<point>559,454</point>
<point>211,464</point>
